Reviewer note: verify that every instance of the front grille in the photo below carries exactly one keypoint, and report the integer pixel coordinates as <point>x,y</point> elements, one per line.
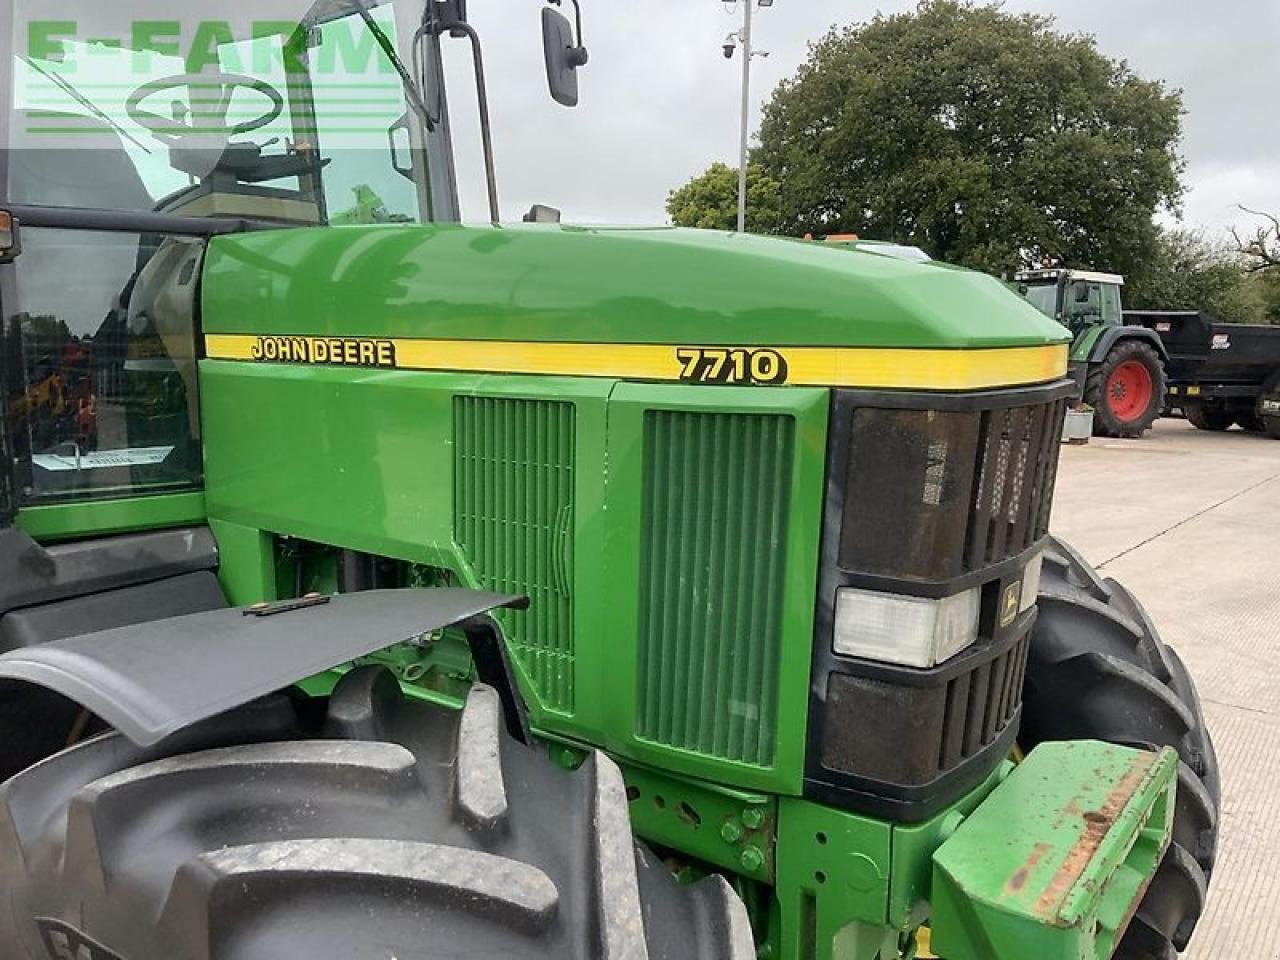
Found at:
<point>910,735</point>
<point>1017,464</point>
<point>513,517</point>
<point>928,495</point>
<point>931,495</point>
<point>980,704</point>
<point>717,490</point>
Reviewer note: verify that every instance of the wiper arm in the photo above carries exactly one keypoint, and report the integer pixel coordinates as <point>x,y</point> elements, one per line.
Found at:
<point>410,88</point>
<point>66,86</point>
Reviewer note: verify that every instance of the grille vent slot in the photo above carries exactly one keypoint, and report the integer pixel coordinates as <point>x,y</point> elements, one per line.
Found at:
<point>714,531</point>
<point>1013,487</point>
<point>513,516</point>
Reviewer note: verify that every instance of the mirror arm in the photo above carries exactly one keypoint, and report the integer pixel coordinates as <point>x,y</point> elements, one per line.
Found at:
<point>578,56</point>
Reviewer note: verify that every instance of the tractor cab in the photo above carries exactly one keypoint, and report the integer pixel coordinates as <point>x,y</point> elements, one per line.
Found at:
<point>1077,299</point>
<point>133,133</point>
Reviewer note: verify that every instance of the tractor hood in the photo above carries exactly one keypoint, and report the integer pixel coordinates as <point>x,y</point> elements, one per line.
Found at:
<point>565,284</point>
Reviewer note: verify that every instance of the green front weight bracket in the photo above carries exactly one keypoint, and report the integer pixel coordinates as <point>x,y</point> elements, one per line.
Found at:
<point>1054,863</point>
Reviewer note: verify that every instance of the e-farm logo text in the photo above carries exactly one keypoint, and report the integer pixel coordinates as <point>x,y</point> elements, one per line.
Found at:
<point>343,48</point>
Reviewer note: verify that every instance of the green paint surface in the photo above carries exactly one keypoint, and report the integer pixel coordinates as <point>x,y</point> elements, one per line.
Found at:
<point>100,518</point>
<point>375,461</point>
<point>572,284</point>
<point>1053,863</point>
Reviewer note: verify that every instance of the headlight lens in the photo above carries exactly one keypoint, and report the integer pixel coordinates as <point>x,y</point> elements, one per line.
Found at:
<point>911,631</point>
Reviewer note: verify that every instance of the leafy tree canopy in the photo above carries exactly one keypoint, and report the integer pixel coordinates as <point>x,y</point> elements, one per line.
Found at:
<point>985,137</point>
<point>710,201</point>
<point>1189,271</point>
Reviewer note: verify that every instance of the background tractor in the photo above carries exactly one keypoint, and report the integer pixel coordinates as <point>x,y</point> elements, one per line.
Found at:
<point>415,568</point>
<point>1120,369</point>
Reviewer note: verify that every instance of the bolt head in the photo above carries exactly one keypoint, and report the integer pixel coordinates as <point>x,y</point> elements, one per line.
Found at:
<point>752,859</point>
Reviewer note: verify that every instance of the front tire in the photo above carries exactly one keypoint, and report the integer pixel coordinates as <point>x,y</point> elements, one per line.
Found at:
<point>1127,390</point>
<point>385,828</point>
<point>1098,670</point>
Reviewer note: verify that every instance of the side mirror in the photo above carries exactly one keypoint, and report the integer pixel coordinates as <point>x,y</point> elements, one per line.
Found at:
<point>564,57</point>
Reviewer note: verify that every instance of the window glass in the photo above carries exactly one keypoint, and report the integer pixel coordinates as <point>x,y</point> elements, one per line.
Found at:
<point>1112,311</point>
<point>103,398</point>
<point>289,111</point>
<point>1044,297</point>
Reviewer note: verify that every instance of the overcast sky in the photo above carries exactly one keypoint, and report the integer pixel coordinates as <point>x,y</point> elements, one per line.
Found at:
<point>660,102</point>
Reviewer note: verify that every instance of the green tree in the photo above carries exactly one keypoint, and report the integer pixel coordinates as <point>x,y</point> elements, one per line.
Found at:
<point>710,201</point>
<point>985,137</point>
<point>1266,284</point>
<point>1188,271</point>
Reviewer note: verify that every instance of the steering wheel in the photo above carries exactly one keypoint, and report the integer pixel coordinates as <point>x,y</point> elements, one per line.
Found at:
<point>211,121</point>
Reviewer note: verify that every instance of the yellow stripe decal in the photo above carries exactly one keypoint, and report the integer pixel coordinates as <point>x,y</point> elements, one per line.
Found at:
<point>867,367</point>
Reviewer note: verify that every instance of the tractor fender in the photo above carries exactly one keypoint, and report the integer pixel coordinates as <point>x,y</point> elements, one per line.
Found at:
<point>152,680</point>
<point>1111,336</point>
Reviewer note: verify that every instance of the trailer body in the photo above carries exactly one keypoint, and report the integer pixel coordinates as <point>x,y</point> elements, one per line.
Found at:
<point>1219,373</point>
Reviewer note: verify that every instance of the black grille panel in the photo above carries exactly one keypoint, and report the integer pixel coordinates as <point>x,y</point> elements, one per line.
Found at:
<point>980,704</point>
<point>1017,463</point>
<point>931,494</point>
<point>936,727</point>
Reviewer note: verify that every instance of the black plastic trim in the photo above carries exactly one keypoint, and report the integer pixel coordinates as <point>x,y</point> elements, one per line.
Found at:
<point>914,804</point>
<point>978,400</point>
<point>898,802</point>
<point>32,575</point>
<point>127,221</point>
<point>833,578</point>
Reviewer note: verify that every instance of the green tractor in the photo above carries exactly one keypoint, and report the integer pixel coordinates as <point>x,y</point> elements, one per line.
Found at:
<point>1120,369</point>
<point>427,590</point>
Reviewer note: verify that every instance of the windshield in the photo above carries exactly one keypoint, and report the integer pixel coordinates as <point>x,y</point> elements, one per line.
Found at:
<point>286,110</point>
<point>1043,296</point>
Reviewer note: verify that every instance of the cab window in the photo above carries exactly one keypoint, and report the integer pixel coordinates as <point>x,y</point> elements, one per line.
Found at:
<point>103,399</point>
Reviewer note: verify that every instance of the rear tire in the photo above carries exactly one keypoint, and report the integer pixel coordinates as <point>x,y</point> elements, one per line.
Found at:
<point>1205,417</point>
<point>1127,390</point>
<point>386,828</point>
<point>1250,422</point>
<point>1268,400</point>
<point>1098,670</point>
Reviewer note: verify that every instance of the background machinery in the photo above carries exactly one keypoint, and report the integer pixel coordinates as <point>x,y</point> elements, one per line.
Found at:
<point>1220,374</point>
<point>1120,368</point>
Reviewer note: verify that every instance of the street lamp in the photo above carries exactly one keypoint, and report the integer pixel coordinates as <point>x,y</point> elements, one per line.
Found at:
<point>749,53</point>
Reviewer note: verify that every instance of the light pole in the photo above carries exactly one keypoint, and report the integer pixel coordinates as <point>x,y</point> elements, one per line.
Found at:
<point>749,53</point>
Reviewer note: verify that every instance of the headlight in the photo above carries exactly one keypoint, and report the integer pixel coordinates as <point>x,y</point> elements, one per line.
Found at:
<point>912,631</point>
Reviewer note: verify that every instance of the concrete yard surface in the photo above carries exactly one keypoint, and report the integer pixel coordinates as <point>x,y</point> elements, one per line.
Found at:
<point>1190,522</point>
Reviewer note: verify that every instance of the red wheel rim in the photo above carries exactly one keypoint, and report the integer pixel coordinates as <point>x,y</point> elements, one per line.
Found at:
<point>1129,391</point>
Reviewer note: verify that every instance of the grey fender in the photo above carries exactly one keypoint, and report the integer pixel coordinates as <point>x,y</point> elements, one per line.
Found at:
<point>1113,335</point>
<point>154,679</point>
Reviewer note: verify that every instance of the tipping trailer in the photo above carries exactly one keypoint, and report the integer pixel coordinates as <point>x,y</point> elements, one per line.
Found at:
<point>1219,373</point>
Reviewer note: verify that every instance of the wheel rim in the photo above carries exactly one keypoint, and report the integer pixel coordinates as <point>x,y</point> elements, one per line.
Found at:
<point>1129,391</point>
